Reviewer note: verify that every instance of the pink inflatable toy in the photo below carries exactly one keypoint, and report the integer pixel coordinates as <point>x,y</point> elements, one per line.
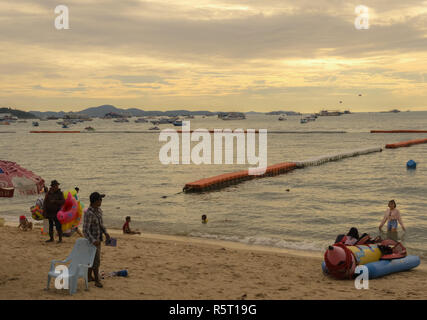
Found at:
<point>68,211</point>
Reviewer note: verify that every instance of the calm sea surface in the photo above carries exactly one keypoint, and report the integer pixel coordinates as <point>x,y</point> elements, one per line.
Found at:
<point>323,201</point>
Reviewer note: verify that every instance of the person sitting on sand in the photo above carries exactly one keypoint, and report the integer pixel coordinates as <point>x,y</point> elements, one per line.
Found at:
<point>204,219</point>
<point>392,215</point>
<point>24,224</point>
<point>126,227</point>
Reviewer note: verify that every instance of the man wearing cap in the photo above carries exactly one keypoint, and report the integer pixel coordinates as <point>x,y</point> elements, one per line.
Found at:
<point>93,229</point>
<point>53,202</point>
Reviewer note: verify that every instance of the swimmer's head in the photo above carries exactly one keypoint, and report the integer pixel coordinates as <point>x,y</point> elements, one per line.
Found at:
<point>128,218</point>
<point>204,218</point>
<point>392,204</point>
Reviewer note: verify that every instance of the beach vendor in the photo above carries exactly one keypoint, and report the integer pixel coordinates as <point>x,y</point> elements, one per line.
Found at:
<point>93,229</point>
<point>53,202</point>
<point>126,227</point>
<point>392,217</point>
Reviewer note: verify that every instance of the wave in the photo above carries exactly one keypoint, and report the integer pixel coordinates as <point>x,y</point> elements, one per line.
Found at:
<point>264,241</point>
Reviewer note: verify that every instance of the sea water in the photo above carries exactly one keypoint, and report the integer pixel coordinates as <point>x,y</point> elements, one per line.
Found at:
<point>322,201</point>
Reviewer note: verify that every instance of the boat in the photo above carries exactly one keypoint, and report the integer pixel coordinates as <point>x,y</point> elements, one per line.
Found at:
<point>89,129</point>
<point>326,113</point>
<point>303,120</point>
<point>35,124</point>
<point>231,116</point>
<point>377,257</point>
<point>177,123</point>
<point>141,120</point>
<point>65,126</point>
<point>282,118</point>
<point>121,120</point>
<point>154,128</point>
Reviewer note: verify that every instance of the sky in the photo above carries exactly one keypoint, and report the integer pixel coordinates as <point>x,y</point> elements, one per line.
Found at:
<point>217,55</point>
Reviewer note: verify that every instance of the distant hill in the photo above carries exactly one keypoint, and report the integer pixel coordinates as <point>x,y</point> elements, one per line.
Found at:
<point>289,113</point>
<point>101,111</point>
<point>18,113</point>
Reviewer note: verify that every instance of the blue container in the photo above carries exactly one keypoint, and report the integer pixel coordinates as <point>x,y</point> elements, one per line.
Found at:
<point>122,273</point>
<point>384,267</point>
<point>411,164</point>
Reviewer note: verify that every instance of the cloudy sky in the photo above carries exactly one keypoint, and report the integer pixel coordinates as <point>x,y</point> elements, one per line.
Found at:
<point>239,55</point>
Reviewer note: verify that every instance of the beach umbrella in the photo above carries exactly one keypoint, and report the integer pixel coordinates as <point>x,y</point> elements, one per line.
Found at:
<point>15,180</point>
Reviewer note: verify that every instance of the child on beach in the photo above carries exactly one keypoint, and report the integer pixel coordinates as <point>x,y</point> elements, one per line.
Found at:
<point>24,224</point>
<point>392,215</point>
<point>126,227</point>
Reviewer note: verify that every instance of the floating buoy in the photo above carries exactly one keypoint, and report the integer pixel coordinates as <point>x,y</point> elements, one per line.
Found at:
<point>411,164</point>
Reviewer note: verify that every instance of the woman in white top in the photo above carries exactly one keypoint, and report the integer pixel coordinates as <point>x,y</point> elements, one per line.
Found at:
<point>392,215</point>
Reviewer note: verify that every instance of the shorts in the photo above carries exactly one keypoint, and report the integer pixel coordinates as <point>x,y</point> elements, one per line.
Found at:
<point>392,224</point>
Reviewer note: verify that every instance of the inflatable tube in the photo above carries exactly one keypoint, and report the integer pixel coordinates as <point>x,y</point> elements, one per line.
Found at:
<point>68,211</point>
<point>366,253</point>
<point>385,267</point>
<point>405,143</point>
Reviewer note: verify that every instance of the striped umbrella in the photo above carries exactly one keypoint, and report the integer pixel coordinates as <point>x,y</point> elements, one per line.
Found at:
<point>15,180</point>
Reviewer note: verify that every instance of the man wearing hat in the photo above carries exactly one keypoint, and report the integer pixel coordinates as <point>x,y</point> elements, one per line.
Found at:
<point>93,229</point>
<point>52,204</point>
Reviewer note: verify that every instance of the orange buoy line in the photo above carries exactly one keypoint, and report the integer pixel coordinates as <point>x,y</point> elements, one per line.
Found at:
<point>54,131</point>
<point>227,179</point>
<point>405,143</point>
<point>398,131</point>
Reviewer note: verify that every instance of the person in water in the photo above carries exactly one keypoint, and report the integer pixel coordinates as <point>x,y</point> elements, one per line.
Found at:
<point>204,219</point>
<point>126,227</point>
<point>392,217</point>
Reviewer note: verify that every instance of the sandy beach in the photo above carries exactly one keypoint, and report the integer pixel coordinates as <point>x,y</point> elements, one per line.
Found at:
<point>166,267</point>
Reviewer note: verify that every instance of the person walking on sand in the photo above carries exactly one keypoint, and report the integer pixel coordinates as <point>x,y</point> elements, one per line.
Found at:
<point>53,202</point>
<point>392,215</point>
<point>93,229</point>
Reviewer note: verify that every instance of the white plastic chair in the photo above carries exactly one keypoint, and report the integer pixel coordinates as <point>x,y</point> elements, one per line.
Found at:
<point>81,258</point>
